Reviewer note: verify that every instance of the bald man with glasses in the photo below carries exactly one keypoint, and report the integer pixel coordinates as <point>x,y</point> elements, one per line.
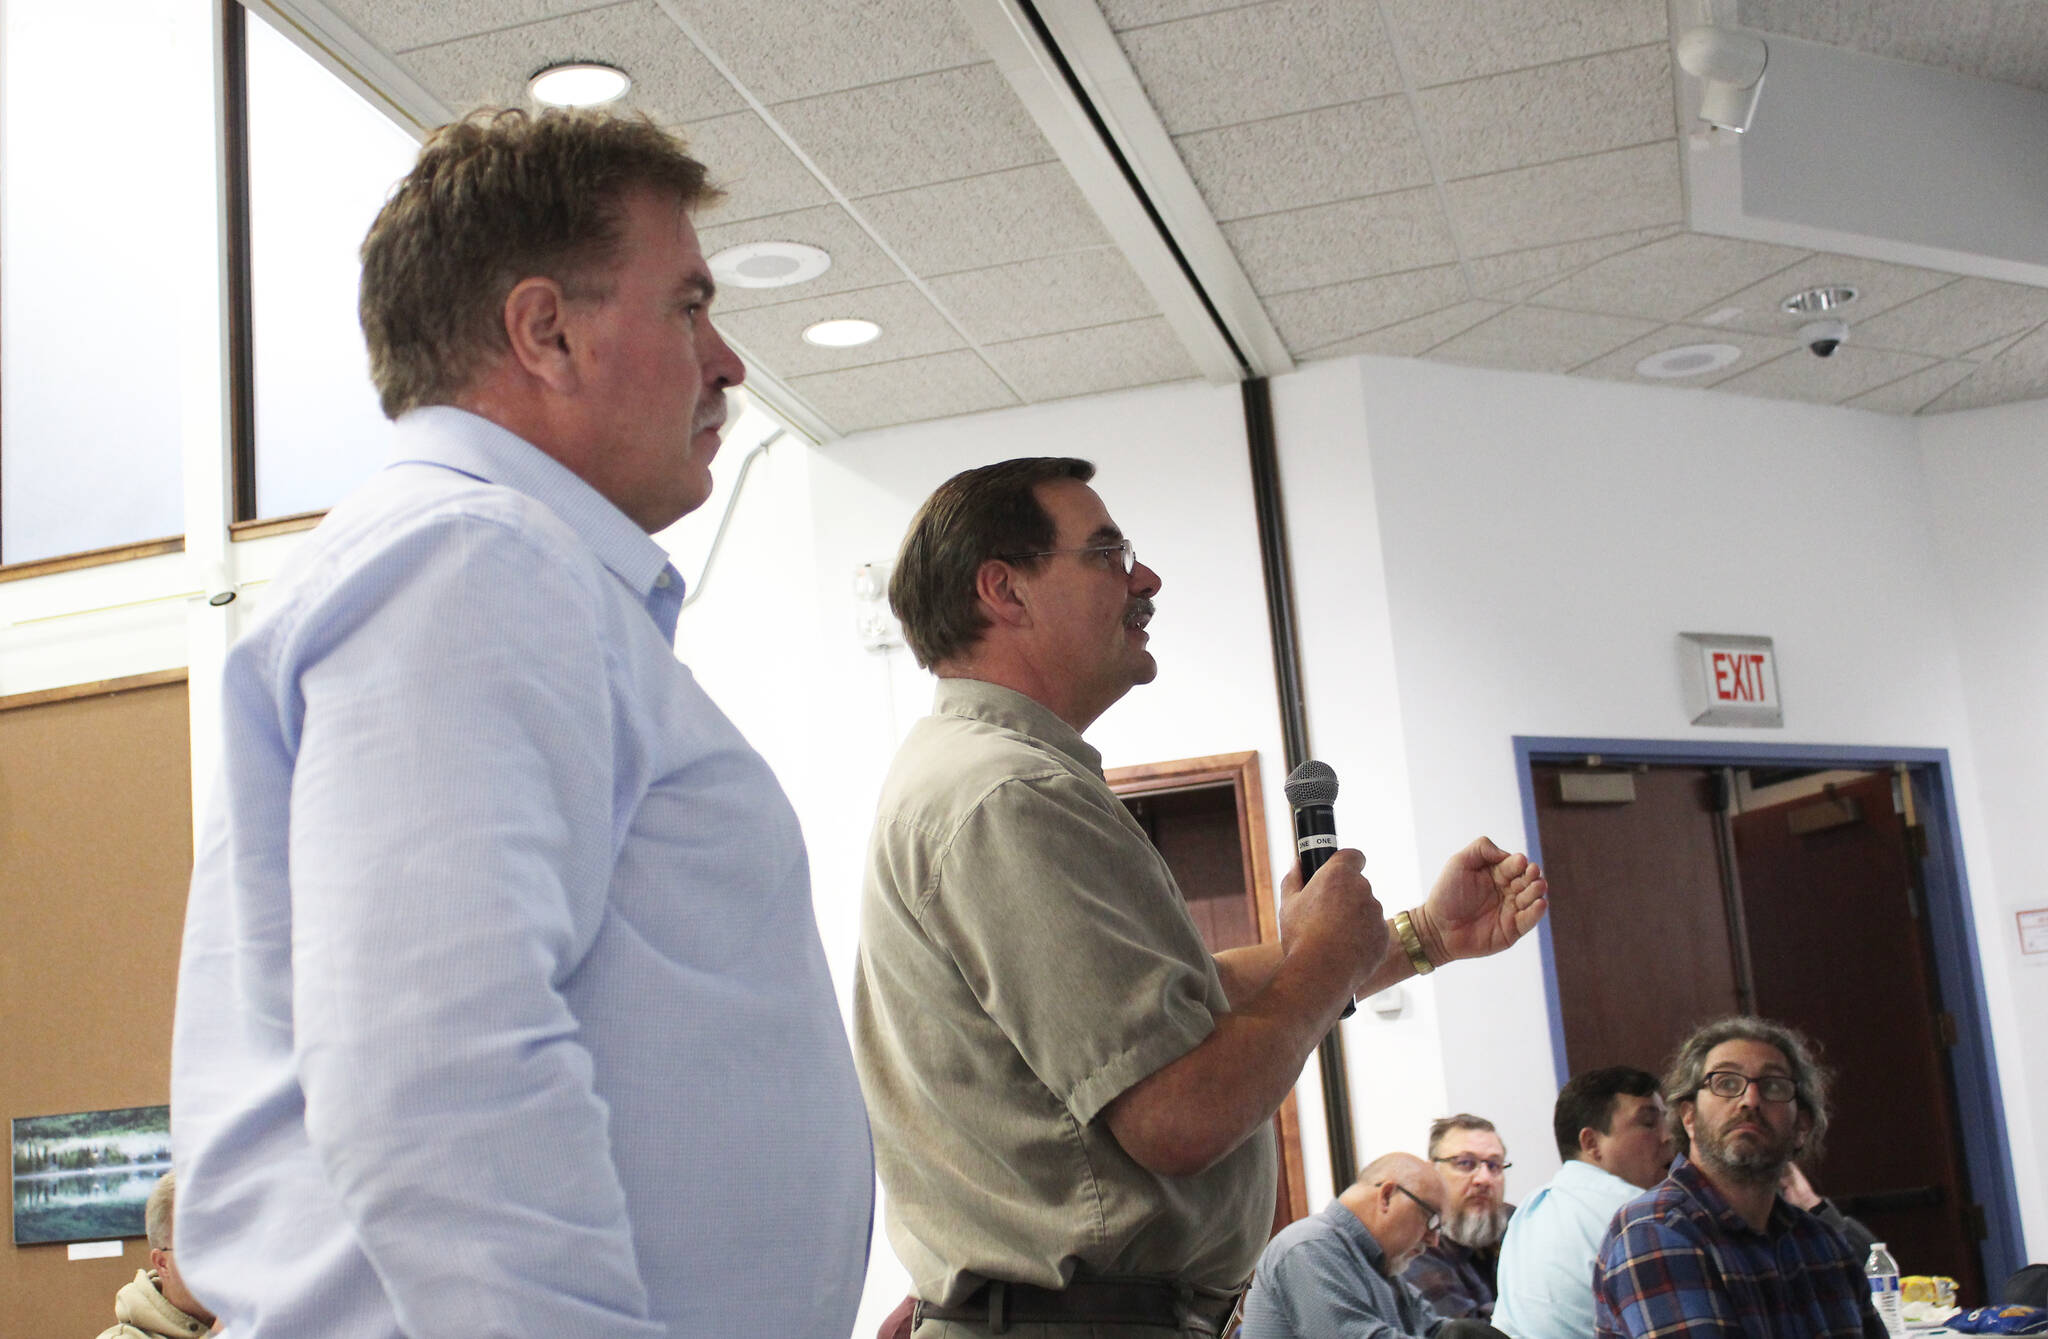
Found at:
<point>1337,1275</point>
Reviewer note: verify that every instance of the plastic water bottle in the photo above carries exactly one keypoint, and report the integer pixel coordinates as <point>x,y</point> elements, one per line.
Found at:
<point>1883,1273</point>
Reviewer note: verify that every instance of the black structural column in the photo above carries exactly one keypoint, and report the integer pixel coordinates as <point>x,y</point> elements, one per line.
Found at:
<point>1258,432</point>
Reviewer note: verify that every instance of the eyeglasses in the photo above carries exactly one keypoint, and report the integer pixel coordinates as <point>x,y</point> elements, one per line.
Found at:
<point>1467,1164</point>
<point>1436,1218</point>
<point>1119,554</point>
<point>1732,1085</point>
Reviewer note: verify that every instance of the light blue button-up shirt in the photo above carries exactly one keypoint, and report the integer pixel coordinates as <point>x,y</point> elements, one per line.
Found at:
<point>503,1009</point>
<point>1546,1261</point>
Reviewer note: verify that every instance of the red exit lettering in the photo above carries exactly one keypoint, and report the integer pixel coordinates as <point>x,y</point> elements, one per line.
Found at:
<point>1738,677</point>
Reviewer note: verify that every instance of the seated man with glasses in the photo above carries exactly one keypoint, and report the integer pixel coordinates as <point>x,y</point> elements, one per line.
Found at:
<point>1715,1248</point>
<point>1456,1273</point>
<point>1338,1273</point>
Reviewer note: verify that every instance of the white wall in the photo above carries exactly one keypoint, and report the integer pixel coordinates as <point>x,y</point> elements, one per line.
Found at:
<point>1544,540</point>
<point>1987,481</point>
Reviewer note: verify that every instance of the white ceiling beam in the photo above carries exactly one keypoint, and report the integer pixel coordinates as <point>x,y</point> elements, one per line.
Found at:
<point>1090,49</point>
<point>356,61</point>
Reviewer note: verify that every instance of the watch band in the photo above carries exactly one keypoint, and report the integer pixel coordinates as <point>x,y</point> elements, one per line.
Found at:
<point>1411,944</point>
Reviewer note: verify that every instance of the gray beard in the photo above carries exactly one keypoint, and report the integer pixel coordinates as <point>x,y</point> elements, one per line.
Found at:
<point>1477,1228</point>
<point>1755,1166</point>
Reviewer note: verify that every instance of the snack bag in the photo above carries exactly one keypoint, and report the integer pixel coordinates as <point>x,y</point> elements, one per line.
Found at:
<point>2001,1320</point>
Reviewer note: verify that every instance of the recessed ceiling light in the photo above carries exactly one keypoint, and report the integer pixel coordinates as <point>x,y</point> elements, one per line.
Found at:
<point>1825,298</point>
<point>768,264</point>
<point>1688,360</point>
<point>579,84</point>
<point>843,333</point>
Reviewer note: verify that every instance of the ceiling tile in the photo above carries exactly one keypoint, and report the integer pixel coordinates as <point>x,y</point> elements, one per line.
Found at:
<point>1620,365</point>
<point>1537,339</point>
<point>783,52</point>
<point>1446,40</point>
<point>1313,158</point>
<point>911,132</point>
<point>759,174</point>
<point>672,82</point>
<point>2016,45</point>
<point>1137,13</point>
<point>1668,279</point>
<point>911,328</point>
<point>1912,392</point>
<point>1565,110</point>
<point>1848,373</point>
<point>2020,373</point>
<point>1409,338</point>
<point>1319,316</point>
<point>1242,64</point>
<point>1878,286</point>
<point>1501,275</point>
<point>977,222</point>
<point>856,261</point>
<point>1328,244</point>
<point>1045,296</point>
<point>1951,321</point>
<point>1081,362</point>
<point>910,391</point>
<point>1568,201</point>
<point>400,25</point>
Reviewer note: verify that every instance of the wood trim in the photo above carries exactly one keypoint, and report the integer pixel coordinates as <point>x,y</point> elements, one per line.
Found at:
<point>1239,771</point>
<point>113,553</point>
<point>97,688</point>
<point>275,525</point>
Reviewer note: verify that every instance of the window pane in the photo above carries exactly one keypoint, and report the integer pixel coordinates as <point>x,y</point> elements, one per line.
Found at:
<point>89,382</point>
<point>321,160</point>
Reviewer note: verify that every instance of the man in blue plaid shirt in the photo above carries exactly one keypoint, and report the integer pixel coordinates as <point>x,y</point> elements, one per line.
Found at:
<point>1714,1250</point>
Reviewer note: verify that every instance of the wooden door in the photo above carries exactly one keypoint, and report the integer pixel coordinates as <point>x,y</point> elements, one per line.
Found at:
<point>1639,930</point>
<point>1207,816</point>
<point>1839,949</point>
<point>1667,913</point>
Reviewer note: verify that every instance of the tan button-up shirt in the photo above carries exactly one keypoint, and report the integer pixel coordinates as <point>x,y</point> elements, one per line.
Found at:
<point>1025,958</point>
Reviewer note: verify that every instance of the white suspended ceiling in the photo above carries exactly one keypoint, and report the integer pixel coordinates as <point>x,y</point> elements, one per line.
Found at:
<point>1038,201</point>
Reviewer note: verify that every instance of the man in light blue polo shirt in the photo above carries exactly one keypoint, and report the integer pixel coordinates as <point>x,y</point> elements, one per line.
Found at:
<point>1610,1130</point>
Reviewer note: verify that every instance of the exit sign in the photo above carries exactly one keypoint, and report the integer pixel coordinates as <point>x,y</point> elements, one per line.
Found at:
<point>1730,679</point>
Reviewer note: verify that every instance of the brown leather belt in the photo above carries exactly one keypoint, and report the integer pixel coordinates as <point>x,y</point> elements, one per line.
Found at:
<point>1134,1300</point>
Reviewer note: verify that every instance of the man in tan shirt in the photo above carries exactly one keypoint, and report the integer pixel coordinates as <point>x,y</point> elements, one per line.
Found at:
<point>1071,1099</point>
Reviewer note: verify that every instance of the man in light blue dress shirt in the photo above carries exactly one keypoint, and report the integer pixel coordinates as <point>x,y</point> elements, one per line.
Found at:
<point>1610,1129</point>
<point>503,1009</point>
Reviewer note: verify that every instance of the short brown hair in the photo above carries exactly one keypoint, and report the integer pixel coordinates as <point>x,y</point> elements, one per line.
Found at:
<point>495,198</point>
<point>978,514</point>
<point>1688,1073</point>
<point>1464,1120</point>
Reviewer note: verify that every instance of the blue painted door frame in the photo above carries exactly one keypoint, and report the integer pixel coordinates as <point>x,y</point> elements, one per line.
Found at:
<point>1981,1107</point>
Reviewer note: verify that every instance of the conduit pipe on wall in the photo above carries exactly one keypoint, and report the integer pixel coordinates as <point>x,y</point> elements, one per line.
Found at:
<point>1279,576</point>
<point>739,485</point>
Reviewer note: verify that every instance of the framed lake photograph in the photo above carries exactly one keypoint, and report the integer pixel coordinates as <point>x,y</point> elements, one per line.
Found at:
<point>84,1177</point>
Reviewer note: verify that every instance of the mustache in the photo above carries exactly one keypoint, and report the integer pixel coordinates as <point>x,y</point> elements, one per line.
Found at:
<point>710,418</point>
<point>1139,610</point>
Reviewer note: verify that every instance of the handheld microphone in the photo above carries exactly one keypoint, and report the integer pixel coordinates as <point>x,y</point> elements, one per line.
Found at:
<point>1312,790</point>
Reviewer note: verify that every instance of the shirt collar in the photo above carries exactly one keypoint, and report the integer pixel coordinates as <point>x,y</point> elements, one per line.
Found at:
<point>1579,1170</point>
<point>459,440</point>
<point>978,699</point>
<point>1352,1226</point>
<point>1694,1183</point>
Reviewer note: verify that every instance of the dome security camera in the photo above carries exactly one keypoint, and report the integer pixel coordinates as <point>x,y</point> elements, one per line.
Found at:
<point>1824,337</point>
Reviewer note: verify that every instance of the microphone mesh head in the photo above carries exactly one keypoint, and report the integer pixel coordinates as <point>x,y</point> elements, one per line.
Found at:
<point>1311,783</point>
